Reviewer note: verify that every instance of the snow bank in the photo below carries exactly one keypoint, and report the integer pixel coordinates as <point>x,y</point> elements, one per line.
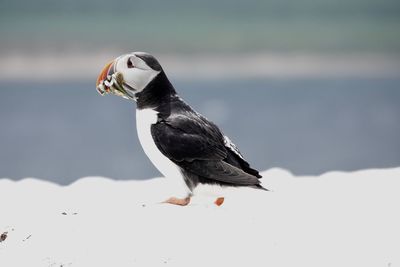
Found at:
<point>337,219</point>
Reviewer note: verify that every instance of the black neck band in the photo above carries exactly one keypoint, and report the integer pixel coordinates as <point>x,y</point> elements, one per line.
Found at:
<point>158,92</point>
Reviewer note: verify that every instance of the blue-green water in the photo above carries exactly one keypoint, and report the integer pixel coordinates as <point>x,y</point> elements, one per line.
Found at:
<point>64,131</point>
<point>201,26</point>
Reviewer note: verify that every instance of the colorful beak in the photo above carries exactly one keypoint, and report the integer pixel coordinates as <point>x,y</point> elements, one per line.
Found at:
<point>106,71</point>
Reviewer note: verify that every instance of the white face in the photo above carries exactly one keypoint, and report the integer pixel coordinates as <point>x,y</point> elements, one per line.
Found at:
<point>136,73</point>
<point>126,75</point>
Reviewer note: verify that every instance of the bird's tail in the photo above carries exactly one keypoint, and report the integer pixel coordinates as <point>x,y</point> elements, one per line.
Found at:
<point>259,186</point>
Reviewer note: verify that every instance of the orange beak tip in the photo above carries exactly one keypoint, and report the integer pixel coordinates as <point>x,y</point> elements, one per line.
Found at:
<point>103,75</point>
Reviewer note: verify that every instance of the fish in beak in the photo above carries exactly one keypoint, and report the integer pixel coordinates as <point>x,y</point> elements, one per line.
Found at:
<point>101,86</point>
<point>110,81</point>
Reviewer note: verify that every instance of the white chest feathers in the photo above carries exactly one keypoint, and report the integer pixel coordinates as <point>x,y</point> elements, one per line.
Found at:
<point>144,119</point>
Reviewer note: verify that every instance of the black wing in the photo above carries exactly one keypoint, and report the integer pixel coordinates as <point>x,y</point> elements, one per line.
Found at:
<point>197,146</point>
<point>235,158</point>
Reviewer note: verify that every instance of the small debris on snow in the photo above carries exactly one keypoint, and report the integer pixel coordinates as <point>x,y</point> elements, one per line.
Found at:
<point>53,263</point>
<point>64,213</point>
<point>3,236</point>
<point>29,236</point>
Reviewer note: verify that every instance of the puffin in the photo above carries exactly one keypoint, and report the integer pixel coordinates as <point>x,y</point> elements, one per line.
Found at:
<point>180,142</point>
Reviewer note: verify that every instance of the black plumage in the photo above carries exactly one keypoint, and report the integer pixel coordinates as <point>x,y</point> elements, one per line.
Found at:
<point>190,140</point>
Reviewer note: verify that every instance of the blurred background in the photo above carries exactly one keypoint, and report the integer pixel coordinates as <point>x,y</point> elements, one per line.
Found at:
<point>307,85</point>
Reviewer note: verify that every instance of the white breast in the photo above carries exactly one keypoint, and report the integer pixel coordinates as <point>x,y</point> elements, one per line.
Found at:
<point>144,119</point>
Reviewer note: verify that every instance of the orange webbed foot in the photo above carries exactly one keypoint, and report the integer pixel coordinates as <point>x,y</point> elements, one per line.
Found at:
<point>178,201</point>
<point>219,201</point>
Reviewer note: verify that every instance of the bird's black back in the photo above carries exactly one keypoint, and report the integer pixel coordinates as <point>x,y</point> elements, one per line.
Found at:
<point>193,142</point>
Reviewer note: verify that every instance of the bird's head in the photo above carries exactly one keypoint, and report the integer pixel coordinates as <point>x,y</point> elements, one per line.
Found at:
<point>128,74</point>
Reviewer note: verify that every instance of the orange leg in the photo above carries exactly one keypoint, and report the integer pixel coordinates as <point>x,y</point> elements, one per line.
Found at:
<point>178,201</point>
<point>219,201</point>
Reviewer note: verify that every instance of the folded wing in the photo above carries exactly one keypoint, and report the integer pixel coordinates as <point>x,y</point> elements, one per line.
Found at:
<point>197,146</point>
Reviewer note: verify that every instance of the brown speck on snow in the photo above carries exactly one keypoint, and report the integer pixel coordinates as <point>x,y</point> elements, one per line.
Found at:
<point>3,236</point>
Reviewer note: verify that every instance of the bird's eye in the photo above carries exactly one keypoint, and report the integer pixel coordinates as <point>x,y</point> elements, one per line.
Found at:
<point>130,64</point>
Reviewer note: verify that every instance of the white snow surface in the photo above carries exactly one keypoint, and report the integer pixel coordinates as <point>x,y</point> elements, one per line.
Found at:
<point>336,219</point>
